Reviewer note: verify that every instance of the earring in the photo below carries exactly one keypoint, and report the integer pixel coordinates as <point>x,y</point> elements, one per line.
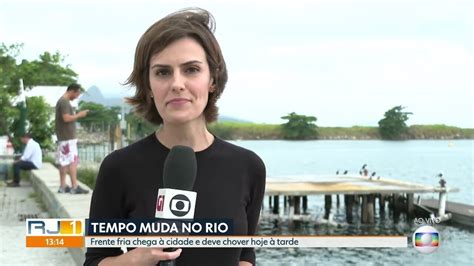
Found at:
<point>151,96</point>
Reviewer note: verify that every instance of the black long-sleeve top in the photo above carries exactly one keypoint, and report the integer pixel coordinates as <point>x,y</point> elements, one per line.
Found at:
<point>230,184</point>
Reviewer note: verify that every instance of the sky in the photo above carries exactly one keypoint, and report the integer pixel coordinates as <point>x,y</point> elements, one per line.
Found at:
<point>345,62</point>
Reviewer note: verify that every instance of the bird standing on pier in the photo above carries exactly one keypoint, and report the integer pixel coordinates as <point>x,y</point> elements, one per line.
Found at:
<point>442,182</point>
<point>363,171</point>
<point>372,175</point>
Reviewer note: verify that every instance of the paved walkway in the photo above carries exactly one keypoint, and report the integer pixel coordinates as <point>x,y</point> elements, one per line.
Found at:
<point>16,202</point>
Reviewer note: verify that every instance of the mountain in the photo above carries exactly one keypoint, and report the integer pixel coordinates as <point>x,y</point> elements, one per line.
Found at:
<point>93,94</point>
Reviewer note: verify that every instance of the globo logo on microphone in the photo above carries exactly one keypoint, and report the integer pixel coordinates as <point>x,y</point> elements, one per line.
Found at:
<point>180,205</point>
<point>175,204</point>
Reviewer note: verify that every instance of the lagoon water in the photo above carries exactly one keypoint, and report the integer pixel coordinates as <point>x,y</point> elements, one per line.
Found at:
<point>416,161</point>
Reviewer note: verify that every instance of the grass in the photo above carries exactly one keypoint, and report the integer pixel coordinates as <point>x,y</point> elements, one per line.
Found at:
<point>241,130</point>
<point>244,130</point>
<point>87,176</point>
<point>355,132</point>
<point>49,159</point>
<point>440,132</point>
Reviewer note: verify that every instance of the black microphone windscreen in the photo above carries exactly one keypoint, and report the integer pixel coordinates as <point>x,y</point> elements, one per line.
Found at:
<point>180,168</point>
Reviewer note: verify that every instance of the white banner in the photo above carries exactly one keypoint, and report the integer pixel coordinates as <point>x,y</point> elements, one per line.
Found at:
<point>248,241</point>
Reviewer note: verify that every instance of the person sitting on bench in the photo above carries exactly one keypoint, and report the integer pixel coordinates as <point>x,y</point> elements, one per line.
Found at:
<point>32,158</point>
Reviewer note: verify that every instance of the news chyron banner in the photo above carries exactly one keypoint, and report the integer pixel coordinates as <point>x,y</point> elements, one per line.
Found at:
<point>55,233</point>
<point>79,233</point>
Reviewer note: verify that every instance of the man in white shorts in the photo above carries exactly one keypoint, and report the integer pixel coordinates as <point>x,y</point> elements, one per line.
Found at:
<point>66,154</point>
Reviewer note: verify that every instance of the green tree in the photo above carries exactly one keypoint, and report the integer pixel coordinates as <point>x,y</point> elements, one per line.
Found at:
<point>9,86</point>
<point>139,127</point>
<point>8,113</point>
<point>299,127</point>
<point>48,70</point>
<point>98,116</point>
<point>41,126</point>
<point>392,126</point>
<point>9,78</point>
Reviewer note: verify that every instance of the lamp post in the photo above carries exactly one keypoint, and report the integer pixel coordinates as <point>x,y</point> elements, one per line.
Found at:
<point>20,127</point>
<point>118,132</point>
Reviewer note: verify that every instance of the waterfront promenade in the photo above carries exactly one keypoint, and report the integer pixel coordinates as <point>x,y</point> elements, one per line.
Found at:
<point>38,197</point>
<point>16,204</point>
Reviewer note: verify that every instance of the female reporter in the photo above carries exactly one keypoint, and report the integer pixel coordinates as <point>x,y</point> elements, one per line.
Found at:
<point>179,73</point>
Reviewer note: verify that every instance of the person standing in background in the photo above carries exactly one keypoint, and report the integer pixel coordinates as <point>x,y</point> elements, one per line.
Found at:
<point>32,158</point>
<point>67,156</point>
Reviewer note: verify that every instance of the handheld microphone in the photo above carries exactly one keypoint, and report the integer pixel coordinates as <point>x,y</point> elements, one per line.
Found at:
<point>176,200</point>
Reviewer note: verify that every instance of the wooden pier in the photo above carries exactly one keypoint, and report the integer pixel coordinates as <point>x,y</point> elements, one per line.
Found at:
<point>358,191</point>
<point>462,214</point>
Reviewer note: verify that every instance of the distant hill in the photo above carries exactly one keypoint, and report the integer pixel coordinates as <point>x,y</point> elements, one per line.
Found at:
<point>93,94</point>
<point>224,118</point>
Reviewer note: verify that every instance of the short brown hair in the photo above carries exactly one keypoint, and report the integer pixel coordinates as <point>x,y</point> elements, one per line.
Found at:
<point>75,87</point>
<point>194,23</point>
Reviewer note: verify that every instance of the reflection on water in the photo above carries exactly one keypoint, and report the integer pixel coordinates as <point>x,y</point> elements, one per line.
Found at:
<point>454,240</point>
